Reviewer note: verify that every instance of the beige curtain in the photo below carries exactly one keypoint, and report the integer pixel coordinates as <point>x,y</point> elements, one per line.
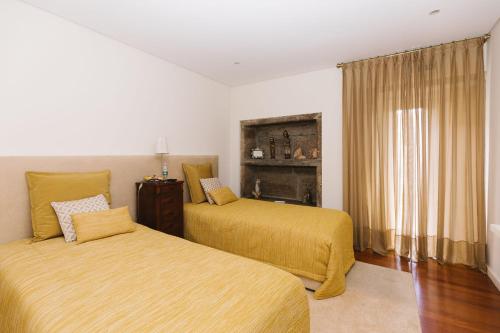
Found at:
<point>413,127</point>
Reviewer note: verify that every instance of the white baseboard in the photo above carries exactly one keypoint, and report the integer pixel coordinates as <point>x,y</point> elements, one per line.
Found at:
<point>494,278</point>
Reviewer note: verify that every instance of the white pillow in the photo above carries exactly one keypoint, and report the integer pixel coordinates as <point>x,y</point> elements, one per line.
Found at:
<point>65,209</point>
<point>210,184</point>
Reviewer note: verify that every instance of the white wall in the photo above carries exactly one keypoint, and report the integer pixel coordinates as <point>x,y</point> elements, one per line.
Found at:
<point>493,68</point>
<point>319,91</point>
<point>67,90</point>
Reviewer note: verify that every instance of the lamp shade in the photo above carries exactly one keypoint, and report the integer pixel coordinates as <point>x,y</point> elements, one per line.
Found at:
<point>161,145</point>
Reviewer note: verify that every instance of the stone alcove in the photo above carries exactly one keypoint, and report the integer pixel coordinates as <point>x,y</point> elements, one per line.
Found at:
<point>282,179</point>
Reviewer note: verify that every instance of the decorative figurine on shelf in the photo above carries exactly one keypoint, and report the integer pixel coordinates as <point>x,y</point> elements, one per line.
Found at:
<point>314,153</point>
<point>257,153</point>
<point>257,193</point>
<point>286,145</point>
<point>272,148</point>
<point>297,154</point>
<point>307,198</point>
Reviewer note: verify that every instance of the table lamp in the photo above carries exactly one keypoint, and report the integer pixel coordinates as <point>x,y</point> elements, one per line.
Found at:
<point>162,150</point>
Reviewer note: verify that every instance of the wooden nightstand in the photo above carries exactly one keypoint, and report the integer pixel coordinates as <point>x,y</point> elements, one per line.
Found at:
<point>160,205</point>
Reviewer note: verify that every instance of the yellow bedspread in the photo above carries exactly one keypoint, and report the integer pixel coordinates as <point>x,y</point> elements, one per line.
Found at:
<point>312,242</point>
<point>144,281</point>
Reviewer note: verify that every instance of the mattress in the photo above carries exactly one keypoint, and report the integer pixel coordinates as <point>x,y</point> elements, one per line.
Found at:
<point>311,242</point>
<point>144,281</point>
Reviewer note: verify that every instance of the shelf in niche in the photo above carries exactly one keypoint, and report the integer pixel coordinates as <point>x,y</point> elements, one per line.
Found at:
<point>289,179</point>
<point>289,162</point>
<point>286,200</point>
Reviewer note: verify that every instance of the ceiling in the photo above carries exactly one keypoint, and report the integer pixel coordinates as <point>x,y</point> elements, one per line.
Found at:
<point>275,38</point>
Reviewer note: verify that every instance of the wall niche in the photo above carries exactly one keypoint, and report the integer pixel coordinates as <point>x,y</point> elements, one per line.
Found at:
<point>295,180</point>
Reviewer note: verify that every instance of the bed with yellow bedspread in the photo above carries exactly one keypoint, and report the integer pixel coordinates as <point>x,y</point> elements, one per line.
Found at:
<point>144,281</point>
<point>315,243</point>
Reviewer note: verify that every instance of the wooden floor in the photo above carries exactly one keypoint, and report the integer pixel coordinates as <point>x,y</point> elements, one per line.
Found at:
<point>450,298</point>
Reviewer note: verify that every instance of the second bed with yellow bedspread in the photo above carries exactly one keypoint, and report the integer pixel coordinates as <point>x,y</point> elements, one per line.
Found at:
<point>315,243</point>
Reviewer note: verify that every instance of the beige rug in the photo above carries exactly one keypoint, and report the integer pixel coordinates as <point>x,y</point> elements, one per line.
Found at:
<point>377,299</point>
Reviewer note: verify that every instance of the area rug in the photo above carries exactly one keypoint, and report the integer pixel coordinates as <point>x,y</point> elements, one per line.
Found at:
<point>377,299</point>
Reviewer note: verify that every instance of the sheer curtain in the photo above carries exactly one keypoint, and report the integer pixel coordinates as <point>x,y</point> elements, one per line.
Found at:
<point>413,127</point>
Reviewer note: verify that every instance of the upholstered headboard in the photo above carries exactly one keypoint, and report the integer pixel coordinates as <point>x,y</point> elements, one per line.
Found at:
<point>15,220</point>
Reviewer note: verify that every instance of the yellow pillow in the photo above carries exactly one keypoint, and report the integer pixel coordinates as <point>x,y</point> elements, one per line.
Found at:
<point>223,195</point>
<point>193,174</point>
<point>106,223</point>
<point>46,187</point>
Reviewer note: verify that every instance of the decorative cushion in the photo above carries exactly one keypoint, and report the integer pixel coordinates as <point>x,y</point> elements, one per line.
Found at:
<point>193,173</point>
<point>47,187</point>
<point>97,225</point>
<point>223,196</point>
<point>210,184</point>
<point>65,209</point>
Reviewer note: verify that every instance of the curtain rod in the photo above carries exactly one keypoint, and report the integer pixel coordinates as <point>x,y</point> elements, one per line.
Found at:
<point>485,38</point>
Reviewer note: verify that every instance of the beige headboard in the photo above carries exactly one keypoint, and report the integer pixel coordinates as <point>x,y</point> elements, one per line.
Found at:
<point>15,221</point>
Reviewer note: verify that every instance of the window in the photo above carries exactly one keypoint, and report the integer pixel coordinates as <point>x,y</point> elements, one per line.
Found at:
<point>409,161</point>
